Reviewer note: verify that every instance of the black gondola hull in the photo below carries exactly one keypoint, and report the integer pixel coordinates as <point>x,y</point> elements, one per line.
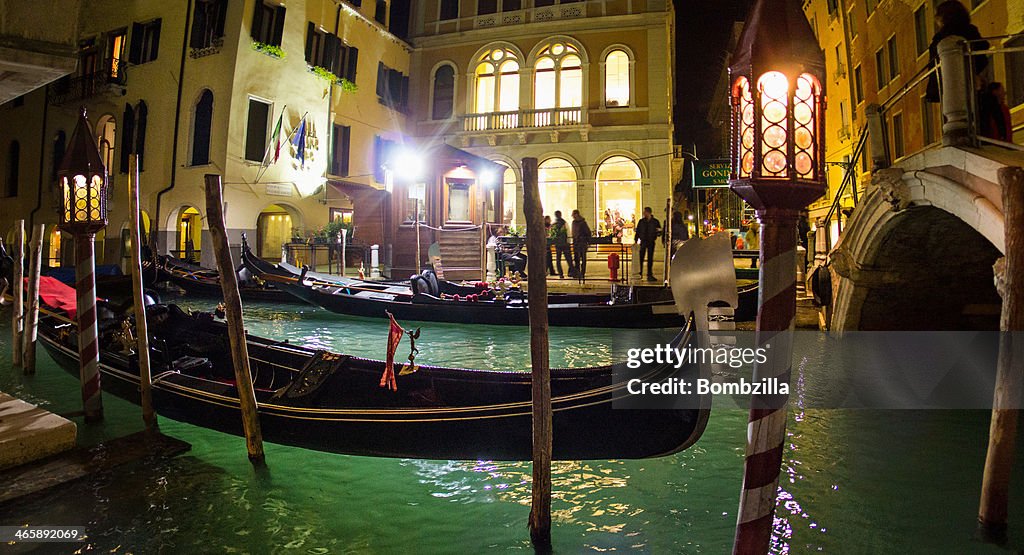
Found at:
<point>437,413</point>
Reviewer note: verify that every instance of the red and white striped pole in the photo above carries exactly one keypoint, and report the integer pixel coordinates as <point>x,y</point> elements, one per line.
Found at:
<point>766,427</point>
<point>88,337</point>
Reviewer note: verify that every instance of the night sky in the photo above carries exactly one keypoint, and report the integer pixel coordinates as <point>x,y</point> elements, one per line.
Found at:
<point>702,35</point>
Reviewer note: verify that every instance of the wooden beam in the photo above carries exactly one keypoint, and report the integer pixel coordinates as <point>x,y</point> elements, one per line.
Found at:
<point>536,244</point>
<point>18,291</point>
<point>138,295</point>
<point>233,315</point>
<point>31,319</point>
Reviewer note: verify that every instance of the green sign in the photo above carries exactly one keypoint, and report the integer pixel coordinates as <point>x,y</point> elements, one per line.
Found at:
<point>711,173</point>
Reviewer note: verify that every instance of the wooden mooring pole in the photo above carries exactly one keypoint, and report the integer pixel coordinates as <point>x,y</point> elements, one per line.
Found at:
<point>536,244</point>
<point>31,319</point>
<point>138,295</point>
<point>1006,402</point>
<point>233,315</point>
<point>18,291</point>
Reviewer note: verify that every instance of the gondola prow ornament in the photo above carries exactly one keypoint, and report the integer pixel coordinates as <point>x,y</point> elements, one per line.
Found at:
<point>83,185</point>
<point>778,167</point>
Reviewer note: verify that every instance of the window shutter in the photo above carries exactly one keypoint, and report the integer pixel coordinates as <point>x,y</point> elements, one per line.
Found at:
<point>382,76</point>
<point>328,50</point>
<point>404,92</point>
<point>135,55</point>
<point>346,137</point>
<point>257,21</point>
<point>199,25</point>
<point>310,32</point>
<point>353,62</point>
<point>278,25</point>
<point>127,136</point>
<point>140,134</point>
<point>378,159</point>
<point>222,14</point>
<point>156,40</point>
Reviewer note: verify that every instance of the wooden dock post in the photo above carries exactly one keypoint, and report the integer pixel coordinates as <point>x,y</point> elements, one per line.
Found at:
<point>31,319</point>
<point>233,315</point>
<point>18,291</point>
<point>138,294</point>
<point>536,243</point>
<point>1007,398</point>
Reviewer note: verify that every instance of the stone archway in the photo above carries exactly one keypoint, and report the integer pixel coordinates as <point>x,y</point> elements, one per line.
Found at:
<point>918,255</point>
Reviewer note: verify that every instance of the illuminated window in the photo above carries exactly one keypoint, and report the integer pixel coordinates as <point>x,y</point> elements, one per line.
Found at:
<point>618,195</point>
<point>774,99</point>
<point>53,251</point>
<point>558,80</point>
<point>509,188</point>
<point>556,178</point>
<point>497,82</point>
<point>616,78</point>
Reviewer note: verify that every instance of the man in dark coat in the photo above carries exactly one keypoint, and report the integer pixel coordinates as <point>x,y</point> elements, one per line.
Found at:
<point>647,231</point>
<point>580,243</point>
<point>560,235</point>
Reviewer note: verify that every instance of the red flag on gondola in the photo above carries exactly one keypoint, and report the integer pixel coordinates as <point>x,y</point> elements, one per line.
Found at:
<point>394,337</point>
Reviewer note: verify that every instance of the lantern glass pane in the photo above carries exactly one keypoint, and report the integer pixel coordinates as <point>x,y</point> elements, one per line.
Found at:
<point>774,89</point>
<point>745,103</point>
<point>805,100</point>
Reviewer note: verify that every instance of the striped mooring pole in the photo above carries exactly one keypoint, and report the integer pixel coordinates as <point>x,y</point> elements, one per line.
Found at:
<point>766,427</point>
<point>88,337</point>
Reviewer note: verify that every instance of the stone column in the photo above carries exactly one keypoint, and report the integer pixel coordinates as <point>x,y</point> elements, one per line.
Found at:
<point>953,73</point>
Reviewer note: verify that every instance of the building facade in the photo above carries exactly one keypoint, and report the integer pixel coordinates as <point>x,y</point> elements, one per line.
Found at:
<point>585,87</point>
<point>874,53</point>
<point>282,101</point>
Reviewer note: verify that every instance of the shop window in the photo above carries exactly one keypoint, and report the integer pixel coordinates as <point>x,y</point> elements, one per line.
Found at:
<point>557,183</point>
<point>618,196</point>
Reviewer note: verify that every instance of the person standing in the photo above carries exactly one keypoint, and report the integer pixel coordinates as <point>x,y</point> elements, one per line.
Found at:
<point>993,113</point>
<point>561,239</point>
<point>752,240</point>
<point>580,243</point>
<point>647,231</point>
<point>549,243</point>
<point>953,19</point>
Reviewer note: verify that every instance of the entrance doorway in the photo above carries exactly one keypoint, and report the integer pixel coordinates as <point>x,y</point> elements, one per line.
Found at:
<point>273,229</point>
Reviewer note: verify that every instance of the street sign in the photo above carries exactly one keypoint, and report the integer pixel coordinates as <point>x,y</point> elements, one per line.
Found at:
<point>711,173</point>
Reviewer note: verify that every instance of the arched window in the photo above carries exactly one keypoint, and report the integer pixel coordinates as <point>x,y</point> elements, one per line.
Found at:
<point>202,121</point>
<point>497,82</point>
<point>13,169</point>
<point>616,79</point>
<point>556,179</point>
<point>558,81</point>
<point>444,92</point>
<point>618,195</point>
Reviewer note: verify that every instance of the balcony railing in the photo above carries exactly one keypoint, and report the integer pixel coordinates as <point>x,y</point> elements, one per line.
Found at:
<point>81,87</point>
<point>524,119</point>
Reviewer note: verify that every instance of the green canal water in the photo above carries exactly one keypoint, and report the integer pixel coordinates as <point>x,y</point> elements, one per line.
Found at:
<point>853,481</point>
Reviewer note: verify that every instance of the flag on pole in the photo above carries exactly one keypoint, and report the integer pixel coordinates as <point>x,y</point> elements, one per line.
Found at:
<point>277,137</point>
<point>299,142</point>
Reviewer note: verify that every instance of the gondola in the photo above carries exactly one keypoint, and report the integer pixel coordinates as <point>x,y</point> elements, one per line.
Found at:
<point>427,299</point>
<point>204,282</point>
<point>332,402</point>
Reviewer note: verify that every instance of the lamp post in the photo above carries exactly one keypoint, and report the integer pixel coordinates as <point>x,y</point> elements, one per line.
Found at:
<point>777,99</point>
<point>83,183</point>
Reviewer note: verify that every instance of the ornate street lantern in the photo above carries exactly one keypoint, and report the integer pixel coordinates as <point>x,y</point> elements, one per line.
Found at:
<point>778,109</point>
<point>778,167</point>
<point>83,183</point>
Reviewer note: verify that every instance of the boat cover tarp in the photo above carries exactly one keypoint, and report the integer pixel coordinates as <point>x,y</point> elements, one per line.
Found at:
<point>57,294</point>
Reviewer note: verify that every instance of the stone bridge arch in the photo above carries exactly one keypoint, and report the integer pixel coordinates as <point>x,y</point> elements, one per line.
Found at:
<point>917,254</point>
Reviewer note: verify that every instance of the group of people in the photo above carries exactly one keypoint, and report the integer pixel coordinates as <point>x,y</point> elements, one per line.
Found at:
<point>647,231</point>
<point>559,232</point>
